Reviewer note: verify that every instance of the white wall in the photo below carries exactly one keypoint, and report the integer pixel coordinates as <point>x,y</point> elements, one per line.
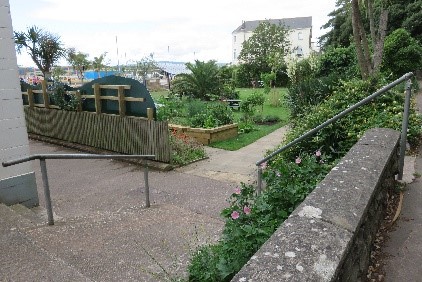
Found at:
<point>13,134</point>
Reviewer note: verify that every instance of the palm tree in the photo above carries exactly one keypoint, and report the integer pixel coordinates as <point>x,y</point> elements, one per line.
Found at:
<point>44,48</point>
<point>203,82</point>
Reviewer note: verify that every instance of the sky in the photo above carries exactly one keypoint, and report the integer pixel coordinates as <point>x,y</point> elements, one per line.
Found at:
<point>180,31</point>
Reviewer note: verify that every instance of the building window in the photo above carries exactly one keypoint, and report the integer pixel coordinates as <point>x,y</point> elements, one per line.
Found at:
<point>234,38</point>
<point>300,35</point>
<point>234,54</point>
<point>298,52</point>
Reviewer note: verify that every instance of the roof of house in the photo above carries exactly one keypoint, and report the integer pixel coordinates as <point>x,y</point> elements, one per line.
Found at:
<point>290,23</point>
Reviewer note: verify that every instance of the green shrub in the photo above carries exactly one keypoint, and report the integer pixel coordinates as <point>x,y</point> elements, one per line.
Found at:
<point>63,99</point>
<point>309,92</point>
<point>275,98</point>
<point>170,109</point>
<point>252,219</point>
<point>402,53</point>
<point>340,61</point>
<point>252,102</point>
<point>213,115</point>
<point>337,138</point>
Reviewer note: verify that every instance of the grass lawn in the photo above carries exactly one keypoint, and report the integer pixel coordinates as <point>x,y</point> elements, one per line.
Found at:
<point>243,139</point>
<point>156,95</point>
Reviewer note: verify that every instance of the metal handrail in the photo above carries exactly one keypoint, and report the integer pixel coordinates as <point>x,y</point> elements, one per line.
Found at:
<point>405,123</point>
<point>43,157</point>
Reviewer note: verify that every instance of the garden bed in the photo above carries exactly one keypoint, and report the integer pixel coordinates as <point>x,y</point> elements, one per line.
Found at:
<point>207,136</point>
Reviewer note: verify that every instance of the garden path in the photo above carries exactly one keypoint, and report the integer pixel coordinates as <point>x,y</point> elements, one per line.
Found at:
<point>235,166</point>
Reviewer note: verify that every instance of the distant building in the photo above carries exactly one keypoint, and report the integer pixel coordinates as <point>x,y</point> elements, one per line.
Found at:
<point>299,37</point>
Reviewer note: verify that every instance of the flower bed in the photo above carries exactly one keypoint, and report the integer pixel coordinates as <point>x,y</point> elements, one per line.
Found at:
<point>207,136</point>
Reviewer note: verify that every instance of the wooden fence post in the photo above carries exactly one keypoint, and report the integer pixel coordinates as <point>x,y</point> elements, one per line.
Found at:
<point>78,96</point>
<point>150,113</point>
<point>97,94</point>
<point>45,94</point>
<point>30,98</point>
<point>122,102</point>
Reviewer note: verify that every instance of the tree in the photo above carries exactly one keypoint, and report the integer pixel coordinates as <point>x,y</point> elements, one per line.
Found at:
<point>79,62</point>
<point>267,47</point>
<point>368,64</point>
<point>203,82</point>
<point>44,48</point>
<point>402,53</point>
<point>406,14</point>
<point>98,63</point>
<point>57,72</point>
<point>340,25</point>
<point>146,65</point>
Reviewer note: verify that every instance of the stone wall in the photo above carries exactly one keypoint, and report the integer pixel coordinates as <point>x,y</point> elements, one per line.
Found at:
<point>329,236</point>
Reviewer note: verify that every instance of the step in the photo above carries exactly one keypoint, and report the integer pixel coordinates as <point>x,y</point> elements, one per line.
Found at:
<point>10,220</point>
<point>21,259</point>
<point>36,215</point>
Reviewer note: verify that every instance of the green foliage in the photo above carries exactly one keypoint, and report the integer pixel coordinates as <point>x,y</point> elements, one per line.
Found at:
<point>169,109</point>
<point>145,66</point>
<point>269,119</point>
<point>57,72</point>
<point>267,42</point>
<point>306,88</point>
<point>339,28</point>
<point>44,48</point>
<point>249,106</point>
<point>251,219</point>
<point>337,139</point>
<point>203,82</point>
<point>227,76</point>
<point>98,63</point>
<point>341,61</point>
<point>63,99</point>
<point>402,54</point>
<point>212,115</point>
<point>406,14</point>
<point>268,79</point>
<point>185,149</point>
<point>275,98</point>
<point>79,61</point>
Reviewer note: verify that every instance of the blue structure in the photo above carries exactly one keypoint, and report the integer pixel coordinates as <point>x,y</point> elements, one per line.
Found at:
<point>94,74</point>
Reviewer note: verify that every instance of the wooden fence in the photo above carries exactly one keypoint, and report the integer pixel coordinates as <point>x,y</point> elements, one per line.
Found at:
<point>97,97</point>
<point>122,134</point>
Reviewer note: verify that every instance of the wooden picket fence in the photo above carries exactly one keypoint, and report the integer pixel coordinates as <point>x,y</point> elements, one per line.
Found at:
<point>122,134</point>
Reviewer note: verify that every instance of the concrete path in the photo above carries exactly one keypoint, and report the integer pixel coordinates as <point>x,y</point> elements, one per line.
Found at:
<point>235,166</point>
<point>103,232</point>
<point>403,248</point>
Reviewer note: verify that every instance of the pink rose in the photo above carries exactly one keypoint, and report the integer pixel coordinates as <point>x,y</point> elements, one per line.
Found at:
<point>298,160</point>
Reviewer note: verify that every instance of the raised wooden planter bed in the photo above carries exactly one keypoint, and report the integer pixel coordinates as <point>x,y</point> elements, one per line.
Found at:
<point>207,136</point>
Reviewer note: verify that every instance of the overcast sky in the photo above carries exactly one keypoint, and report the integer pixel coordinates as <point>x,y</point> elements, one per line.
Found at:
<point>180,31</point>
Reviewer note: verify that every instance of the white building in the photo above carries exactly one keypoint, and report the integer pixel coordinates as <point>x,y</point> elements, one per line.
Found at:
<point>300,34</point>
<point>17,183</point>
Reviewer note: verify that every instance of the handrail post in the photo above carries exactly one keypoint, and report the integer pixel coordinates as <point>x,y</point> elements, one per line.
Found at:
<point>405,124</point>
<point>147,202</point>
<point>259,188</point>
<point>46,191</point>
